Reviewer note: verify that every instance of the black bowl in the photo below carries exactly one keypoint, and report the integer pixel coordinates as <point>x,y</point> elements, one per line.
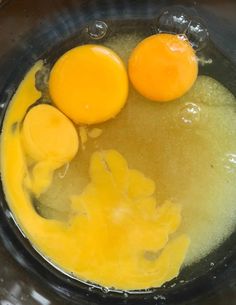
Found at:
<point>45,31</point>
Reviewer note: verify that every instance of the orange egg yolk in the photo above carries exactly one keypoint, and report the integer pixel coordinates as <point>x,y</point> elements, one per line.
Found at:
<point>163,67</point>
<point>89,84</point>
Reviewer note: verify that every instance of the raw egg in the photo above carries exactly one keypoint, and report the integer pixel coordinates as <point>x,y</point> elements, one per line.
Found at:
<point>50,140</point>
<point>89,84</point>
<point>49,134</point>
<point>144,184</point>
<point>163,67</point>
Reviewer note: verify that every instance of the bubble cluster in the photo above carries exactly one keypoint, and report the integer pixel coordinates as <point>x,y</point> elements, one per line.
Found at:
<point>229,162</point>
<point>105,290</point>
<point>175,21</point>
<point>172,22</point>
<point>197,34</point>
<point>97,29</point>
<point>189,115</point>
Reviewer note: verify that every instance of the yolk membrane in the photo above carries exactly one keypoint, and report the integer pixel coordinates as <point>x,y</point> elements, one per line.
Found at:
<point>48,134</point>
<point>89,84</point>
<point>163,67</point>
<point>50,140</point>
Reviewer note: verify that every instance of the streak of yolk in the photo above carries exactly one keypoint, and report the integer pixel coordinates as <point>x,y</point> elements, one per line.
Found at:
<point>115,225</point>
<point>163,67</point>
<point>89,84</point>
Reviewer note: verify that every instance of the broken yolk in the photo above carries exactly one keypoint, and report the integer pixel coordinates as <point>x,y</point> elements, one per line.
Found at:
<point>117,234</point>
<point>49,134</point>
<point>89,84</point>
<point>163,67</point>
<point>125,229</point>
<point>50,140</point>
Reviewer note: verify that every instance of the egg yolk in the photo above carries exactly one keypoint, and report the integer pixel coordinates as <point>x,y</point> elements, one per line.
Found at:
<point>163,67</point>
<point>50,140</point>
<point>49,134</point>
<point>89,84</point>
<point>115,222</point>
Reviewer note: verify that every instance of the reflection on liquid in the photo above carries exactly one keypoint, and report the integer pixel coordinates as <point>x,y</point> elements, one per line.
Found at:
<point>230,162</point>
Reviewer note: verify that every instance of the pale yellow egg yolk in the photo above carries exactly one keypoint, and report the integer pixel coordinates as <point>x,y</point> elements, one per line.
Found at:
<point>49,134</point>
<point>50,141</point>
<point>89,84</point>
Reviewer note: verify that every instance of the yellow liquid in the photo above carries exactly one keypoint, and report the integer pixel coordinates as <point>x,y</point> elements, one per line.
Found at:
<point>114,224</point>
<point>187,147</point>
<point>178,145</point>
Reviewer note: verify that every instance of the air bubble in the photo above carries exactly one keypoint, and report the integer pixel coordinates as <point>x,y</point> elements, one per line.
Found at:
<point>97,29</point>
<point>172,22</point>
<point>175,21</point>
<point>197,35</point>
<point>230,163</point>
<point>105,290</point>
<point>125,294</point>
<point>189,115</point>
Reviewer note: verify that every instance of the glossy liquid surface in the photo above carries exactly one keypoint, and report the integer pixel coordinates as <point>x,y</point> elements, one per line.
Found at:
<point>177,145</point>
<point>187,147</point>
